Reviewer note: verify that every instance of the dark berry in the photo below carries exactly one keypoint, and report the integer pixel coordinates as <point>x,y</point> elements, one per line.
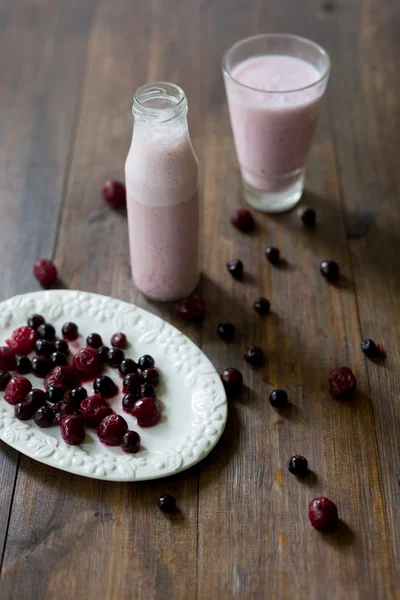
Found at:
<point>114,193</point>
<point>146,390</point>
<point>87,362</point>
<point>24,411</point>
<point>44,416</point>
<point>146,362</point>
<point>261,306</point>
<point>105,386</point>
<point>94,409</point>
<point>147,412</point>
<point>17,389</point>
<point>63,376</point>
<point>5,377</point>
<point>151,376</point>
<point>7,359</point>
<point>370,349</point>
<point>298,465</point>
<point>22,340</point>
<point>62,346</point>
<point>77,395</point>
<point>128,401</point>
<point>232,380</point>
<point>55,394</point>
<point>64,409</point>
<point>37,398</point>
<point>273,255</point>
<point>41,365</point>
<point>112,429</point>
<point>23,365</point>
<point>119,340</point>
<point>278,398</point>
<point>166,503</point>
<point>103,353</point>
<point>242,219</point>
<point>58,358</point>
<point>115,356</point>
<point>34,321</point>
<point>235,268</point>
<point>45,348</point>
<point>192,308</point>
<point>131,442</point>
<point>132,382</point>
<point>127,366</point>
<point>226,331</point>
<point>45,271</point>
<point>342,382</point>
<point>323,514</point>
<point>46,332</point>
<point>70,331</point>
<point>72,429</point>
<point>307,215</point>
<point>330,270</point>
<point>254,356</point>
<point>94,340</point>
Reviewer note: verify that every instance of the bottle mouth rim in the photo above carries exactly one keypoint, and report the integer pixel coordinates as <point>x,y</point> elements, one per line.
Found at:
<point>171,99</point>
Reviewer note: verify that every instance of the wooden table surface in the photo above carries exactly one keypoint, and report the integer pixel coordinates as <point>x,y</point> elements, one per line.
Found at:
<point>68,71</point>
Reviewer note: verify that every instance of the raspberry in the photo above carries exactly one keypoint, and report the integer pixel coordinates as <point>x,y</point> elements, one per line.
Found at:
<point>22,340</point>
<point>45,271</point>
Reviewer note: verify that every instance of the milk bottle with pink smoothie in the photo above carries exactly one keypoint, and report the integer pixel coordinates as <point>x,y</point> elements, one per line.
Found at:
<point>162,198</point>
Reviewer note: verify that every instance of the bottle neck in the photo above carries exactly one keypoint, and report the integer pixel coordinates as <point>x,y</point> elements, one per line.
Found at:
<point>159,103</point>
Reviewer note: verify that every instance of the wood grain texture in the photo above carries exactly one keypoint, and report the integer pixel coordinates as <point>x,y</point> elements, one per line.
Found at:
<point>242,529</point>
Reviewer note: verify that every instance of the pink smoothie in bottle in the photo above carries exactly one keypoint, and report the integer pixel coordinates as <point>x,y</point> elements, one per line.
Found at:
<point>163,208</point>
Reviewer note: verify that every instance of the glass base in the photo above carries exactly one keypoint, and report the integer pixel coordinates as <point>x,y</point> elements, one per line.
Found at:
<point>274,202</point>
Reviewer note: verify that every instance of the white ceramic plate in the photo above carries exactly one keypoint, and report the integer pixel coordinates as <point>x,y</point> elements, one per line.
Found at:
<point>193,399</point>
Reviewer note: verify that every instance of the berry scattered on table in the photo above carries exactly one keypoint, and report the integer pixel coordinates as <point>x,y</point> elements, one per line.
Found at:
<point>278,398</point>
<point>232,380</point>
<point>262,306</point>
<point>114,193</point>
<point>330,270</point>
<point>254,355</point>
<point>298,465</point>
<point>192,308</point>
<point>226,331</point>
<point>273,255</point>
<point>307,215</point>
<point>371,349</point>
<point>166,503</point>
<point>242,219</point>
<point>235,268</point>
<point>45,271</point>
<point>342,382</point>
<point>323,514</point>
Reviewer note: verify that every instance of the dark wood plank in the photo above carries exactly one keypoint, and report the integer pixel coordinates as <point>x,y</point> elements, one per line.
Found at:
<point>41,46</point>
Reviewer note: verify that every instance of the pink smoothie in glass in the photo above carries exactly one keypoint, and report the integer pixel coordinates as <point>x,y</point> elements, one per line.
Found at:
<point>273,131</point>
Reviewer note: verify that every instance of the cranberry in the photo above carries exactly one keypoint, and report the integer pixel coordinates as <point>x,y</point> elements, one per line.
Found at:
<point>44,416</point>
<point>77,395</point>
<point>278,398</point>
<point>45,348</point>
<point>105,386</point>
<point>70,331</point>
<point>22,340</point>
<point>151,376</point>
<point>307,215</point>
<point>94,409</point>
<point>55,394</point>
<point>298,465</point>
<point>58,358</point>
<point>7,359</point>
<point>131,442</point>
<point>192,308</point>
<point>323,514</point>
<point>94,340</point>
<point>119,340</point>
<point>41,365</point>
<point>23,365</point>
<point>166,503</point>
<point>235,268</point>
<point>242,219</point>
<point>128,401</point>
<point>45,271</point>
<point>37,398</point>
<point>34,321</point>
<point>111,430</point>
<point>254,356</point>
<point>46,332</point>
<point>4,379</point>
<point>87,362</point>
<point>146,362</point>
<point>146,390</point>
<point>232,380</point>
<point>261,306</point>
<point>370,349</point>
<point>114,193</point>
<point>24,411</point>
<point>226,331</point>
<point>330,270</point>
<point>342,382</point>
<point>103,353</point>
<point>147,412</point>
<point>132,381</point>
<point>65,408</point>
<point>72,430</point>
<point>17,389</point>
<point>273,255</point>
<point>127,366</point>
<point>115,356</point>
<point>63,376</point>
<point>62,346</point>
